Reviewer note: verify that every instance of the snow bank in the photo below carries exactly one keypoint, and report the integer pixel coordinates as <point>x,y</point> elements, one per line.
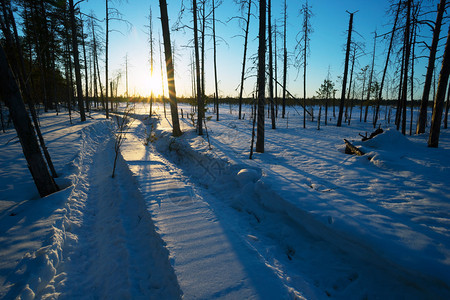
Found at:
<point>376,233</point>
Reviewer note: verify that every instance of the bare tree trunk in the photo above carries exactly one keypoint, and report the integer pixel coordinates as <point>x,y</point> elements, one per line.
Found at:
<point>370,78</point>
<point>76,61</point>
<point>86,74</point>
<point>413,45</point>
<point>106,59</point>
<point>283,111</point>
<point>151,58</point>
<point>407,56</point>
<point>421,123</point>
<point>447,106</point>
<point>245,57</point>
<point>261,76</point>
<point>344,82</point>
<point>170,71</point>
<point>269,28</point>
<point>162,79</point>
<point>398,112</point>
<point>216,96</point>
<point>197,67</point>
<point>433,140</point>
<point>391,42</point>
<point>350,84</point>
<point>36,164</point>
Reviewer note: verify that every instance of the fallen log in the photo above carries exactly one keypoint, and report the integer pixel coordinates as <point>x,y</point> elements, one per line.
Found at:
<point>351,149</point>
<point>372,135</point>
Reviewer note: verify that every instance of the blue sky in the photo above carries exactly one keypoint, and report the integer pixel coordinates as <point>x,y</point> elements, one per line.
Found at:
<point>330,22</point>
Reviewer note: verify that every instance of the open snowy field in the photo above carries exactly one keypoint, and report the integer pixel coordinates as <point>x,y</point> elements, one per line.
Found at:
<point>183,218</point>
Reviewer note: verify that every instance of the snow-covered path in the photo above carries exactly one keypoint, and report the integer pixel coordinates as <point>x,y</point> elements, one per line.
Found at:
<point>111,248</point>
<point>210,260</point>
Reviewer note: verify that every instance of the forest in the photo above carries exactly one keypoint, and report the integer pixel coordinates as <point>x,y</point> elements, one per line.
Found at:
<point>276,189</point>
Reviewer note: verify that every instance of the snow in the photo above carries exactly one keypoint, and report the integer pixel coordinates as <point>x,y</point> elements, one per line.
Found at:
<point>185,218</point>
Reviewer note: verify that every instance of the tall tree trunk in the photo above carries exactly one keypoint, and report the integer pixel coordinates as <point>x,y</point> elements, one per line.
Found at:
<point>344,81</point>
<point>36,164</point>
<point>169,66</point>
<point>261,76</point>
<point>216,96</point>
<point>241,88</point>
<point>197,68</point>
<point>350,83</point>
<point>398,112</point>
<point>433,140</point>
<point>447,106</point>
<point>269,28</point>
<point>413,57</point>
<point>370,78</point>
<point>422,122</point>
<point>283,111</point>
<point>383,78</point>
<point>86,74</point>
<point>76,61</point>
<point>151,59</point>
<point>106,59</point>
<point>276,70</point>
<point>407,56</point>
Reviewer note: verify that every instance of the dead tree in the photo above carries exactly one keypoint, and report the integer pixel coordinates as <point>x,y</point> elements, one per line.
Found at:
<point>247,26</point>
<point>370,78</point>
<point>421,123</point>
<point>344,81</point>
<point>261,81</point>
<point>391,42</point>
<point>407,47</point>
<point>269,28</point>
<point>76,61</point>
<point>200,104</point>
<point>283,111</point>
<point>436,117</point>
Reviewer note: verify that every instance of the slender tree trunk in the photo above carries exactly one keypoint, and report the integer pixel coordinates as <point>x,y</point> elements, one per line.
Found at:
<point>413,45</point>
<point>76,61</point>
<point>370,78</point>
<point>276,70</point>
<point>162,79</point>
<point>351,81</point>
<point>86,74</point>
<point>436,117</point>
<point>398,112</point>
<point>169,67</point>
<point>261,76</point>
<point>106,60</point>
<point>241,88</point>
<point>407,56</point>
<point>269,27</point>
<point>344,82</point>
<point>36,164</point>
<point>283,111</point>
<point>383,78</point>
<point>447,106</point>
<point>422,122</point>
<point>197,67</point>
<point>216,96</point>
<point>151,58</point>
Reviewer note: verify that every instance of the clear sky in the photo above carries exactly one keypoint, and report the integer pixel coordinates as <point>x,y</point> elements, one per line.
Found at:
<point>330,22</point>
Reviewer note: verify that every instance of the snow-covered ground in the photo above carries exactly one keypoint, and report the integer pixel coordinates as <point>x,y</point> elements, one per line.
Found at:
<point>183,218</point>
